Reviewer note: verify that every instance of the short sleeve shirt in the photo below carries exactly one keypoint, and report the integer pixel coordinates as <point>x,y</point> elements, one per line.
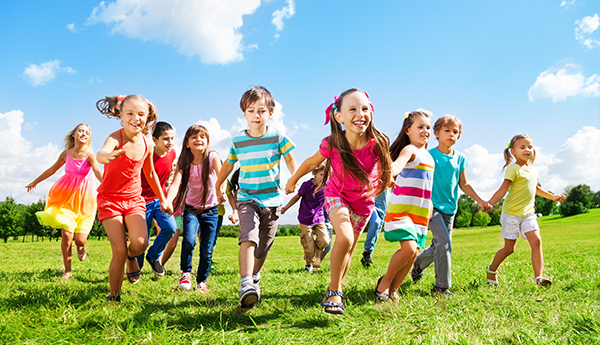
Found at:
<point>520,200</point>
<point>310,211</point>
<point>446,180</point>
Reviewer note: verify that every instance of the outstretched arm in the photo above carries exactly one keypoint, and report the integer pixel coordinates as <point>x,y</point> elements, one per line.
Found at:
<point>558,198</point>
<point>292,201</point>
<point>291,163</point>
<point>154,182</point>
<point>93,162</point>
<point>109,150</point>
<point>62,158</point>
<point>406,155</point>
<point>500,193</point>
<point>468,189</point>
<point>216,163</point>
<point>307,166</point>
<point>226,169</point>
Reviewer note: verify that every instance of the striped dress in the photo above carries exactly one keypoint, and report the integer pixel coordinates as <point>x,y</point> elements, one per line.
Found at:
<point>409,203</point>
<point>260,160</point>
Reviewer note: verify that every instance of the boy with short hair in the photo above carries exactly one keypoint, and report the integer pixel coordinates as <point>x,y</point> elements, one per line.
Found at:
<point>311,217</point>
<point>258,150</point>
<point>449,175</point>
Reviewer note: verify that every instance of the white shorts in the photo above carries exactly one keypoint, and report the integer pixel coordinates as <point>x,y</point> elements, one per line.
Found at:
<point>512,226</point>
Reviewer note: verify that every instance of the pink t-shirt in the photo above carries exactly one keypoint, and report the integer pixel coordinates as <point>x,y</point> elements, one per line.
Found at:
<point>344,185</point>
<point>195,185</point>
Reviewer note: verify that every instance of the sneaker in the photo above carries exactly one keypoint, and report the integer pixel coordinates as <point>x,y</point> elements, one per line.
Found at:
<point>249,295</point>
<point>309,269</point>
<point>157,268</point>
<point>416,273</point>
<point>256,277</point>
<point>111,298</point>
<point>202,287</point>
<point>543,282</point>
<point>367,259</point>
<point>185,281</point>
<point>436,291</point>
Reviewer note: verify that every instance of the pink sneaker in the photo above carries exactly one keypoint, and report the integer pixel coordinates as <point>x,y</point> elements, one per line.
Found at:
<point>185,281</point>
<point>202,287</point>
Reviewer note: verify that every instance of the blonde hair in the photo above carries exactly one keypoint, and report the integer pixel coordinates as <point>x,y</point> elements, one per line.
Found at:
<point>508,156</point>
<point>70,140</point>
<point>447,120</point>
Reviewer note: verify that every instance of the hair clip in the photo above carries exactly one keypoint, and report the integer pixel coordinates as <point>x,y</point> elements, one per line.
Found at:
<point>406,115</point>
<point>121,98</point>
<point>508,146</point>
<point>331,108</point>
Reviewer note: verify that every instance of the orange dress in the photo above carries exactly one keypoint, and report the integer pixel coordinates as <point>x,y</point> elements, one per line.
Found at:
<point>71,202</point>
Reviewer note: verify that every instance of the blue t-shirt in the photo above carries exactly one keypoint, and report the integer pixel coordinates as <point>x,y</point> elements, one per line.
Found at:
<point>445,180</point>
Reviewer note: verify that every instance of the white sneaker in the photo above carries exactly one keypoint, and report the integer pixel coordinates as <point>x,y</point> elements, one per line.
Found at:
<point>249,295</point>
<point>185,281</point>
<point>256,278</point>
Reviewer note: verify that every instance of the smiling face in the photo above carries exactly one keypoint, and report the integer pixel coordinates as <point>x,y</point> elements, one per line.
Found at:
<point>257,114</point>
<point>523,151</point>
<point>197,143</point>
<point>82,134</point>
<point>164,143</point>
<point>418,132</point>
<point>355,113</point>
<point>134,115</point>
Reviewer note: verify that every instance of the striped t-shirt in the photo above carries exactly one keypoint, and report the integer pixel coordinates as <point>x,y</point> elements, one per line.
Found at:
<point>260,159</point>
<point>407,214</point>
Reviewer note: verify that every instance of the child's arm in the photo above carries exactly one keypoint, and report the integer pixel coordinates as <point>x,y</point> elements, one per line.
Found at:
<point>109,150</point>
<point>154,182</point>
<point>174,187</point>
<point>216,164</point>
<point>500,193</point>
<point>558,198</point>
<point>62,158</point>
<point>294,200</point>
<point>406,155</point>
<point>468,189</point>
<point>233,217</point>
<point>307,166</point>
<point>93,162</point>
<point>226,169</point>
<point>291,163</point>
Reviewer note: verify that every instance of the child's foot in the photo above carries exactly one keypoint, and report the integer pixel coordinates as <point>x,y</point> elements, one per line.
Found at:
<point>367,259</point>
<point>437,291</point>
<point>185,281</point>
<point>317,264</point>
<point>332,302</point>
<point>67,275</point>
<point>309,269</point>
<point>492,276</point>
<point>83,255</point>
<point>256,277</point>
<point>543,282</point>
<point>116,299</point>
<point>133,270</point>
<point>249,295</point>
<point>202,287</point>
<point>157,268</point>
<point>417,273</point>
<point>381,296</point>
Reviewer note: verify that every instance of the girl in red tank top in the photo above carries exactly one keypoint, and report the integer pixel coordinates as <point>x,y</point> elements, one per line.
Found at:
<point>120,203</point>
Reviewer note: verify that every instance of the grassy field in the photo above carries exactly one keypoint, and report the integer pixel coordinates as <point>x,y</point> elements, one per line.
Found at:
<point>38,307</point>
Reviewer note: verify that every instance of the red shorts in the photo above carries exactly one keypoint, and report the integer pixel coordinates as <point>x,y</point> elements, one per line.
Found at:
<point>110,206</point>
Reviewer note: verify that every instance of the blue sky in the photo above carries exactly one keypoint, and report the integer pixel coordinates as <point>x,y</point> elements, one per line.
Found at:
<point>502,67</point>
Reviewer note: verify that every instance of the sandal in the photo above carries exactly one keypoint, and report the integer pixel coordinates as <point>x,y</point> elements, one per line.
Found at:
<point>543,282</point>
<point>327,306</point>
<point>111,298</point>
<point>380,296</point>
<point>133,277</point>
<point>82,256</point>
<point>491,282</point>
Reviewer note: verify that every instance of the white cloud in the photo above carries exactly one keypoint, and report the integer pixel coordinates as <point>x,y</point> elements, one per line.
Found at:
<point>20,162</point>
<point>585,28</point>
<point>205,28</point>
<point>562,81</point>
<point>484,170</point>
<point>71,27</point>
<point>285,13</point>
<point>45,72</point>
<point>567,3</point>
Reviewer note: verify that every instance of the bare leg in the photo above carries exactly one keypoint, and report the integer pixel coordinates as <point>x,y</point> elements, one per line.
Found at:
<point>80,242</point>
<point>537,257</point>
<point>398,267</point>
<point>138,240</point>
<point>115,230</point>
<point>170,248</point>
<point>65,247</point>
<point>246,258</point>
<point>501,255</point>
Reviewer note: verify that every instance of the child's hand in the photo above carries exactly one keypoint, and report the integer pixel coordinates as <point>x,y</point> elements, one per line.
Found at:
<point>558,198</point>
<point>283,209</point>
<point>167,207</point>
<point>233,217</point>
<point>485,206</point>
<point>31,187</point>
<point>114,154</point>
<point>220,196</point>
<point>290,187</point>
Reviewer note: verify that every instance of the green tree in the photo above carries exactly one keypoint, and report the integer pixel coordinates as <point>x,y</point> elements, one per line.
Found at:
<point>465,210</point>
<point>495,213</point>
<point>579,200</point>
<point>481,219</point>
<point>10,217</point>
<point>31,226</point>
<point>463,220</point>
<point>597,199</point>
<point>545,206</point>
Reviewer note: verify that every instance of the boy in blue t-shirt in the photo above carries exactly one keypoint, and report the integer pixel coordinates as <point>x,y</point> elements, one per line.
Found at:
<point>258,150</point>
<point>449,175</point>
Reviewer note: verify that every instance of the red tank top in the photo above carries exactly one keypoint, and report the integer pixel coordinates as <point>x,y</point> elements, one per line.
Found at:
<point>121,177</point>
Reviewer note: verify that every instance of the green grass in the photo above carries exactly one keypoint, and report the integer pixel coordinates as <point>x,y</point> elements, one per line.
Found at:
<point>37,306</point>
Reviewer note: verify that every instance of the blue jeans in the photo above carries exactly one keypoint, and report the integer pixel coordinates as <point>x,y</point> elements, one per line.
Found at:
<point>376,222</point>
<point>219,225</point>
<point>206,223</point>
<point>440,250</point>
<point>167,226</point>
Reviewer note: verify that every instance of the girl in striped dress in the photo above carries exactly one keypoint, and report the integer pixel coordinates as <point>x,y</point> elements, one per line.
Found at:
<point>409,204</point>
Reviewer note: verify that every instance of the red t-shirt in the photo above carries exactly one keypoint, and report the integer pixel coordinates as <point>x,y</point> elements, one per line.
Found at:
<point>162,166</point>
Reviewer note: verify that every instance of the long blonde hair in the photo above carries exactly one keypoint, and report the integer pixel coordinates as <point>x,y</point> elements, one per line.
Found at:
<point>70,140</point>
<point>508,156</point>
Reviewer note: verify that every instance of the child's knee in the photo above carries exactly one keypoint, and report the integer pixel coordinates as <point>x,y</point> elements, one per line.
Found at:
<point>321,243</point>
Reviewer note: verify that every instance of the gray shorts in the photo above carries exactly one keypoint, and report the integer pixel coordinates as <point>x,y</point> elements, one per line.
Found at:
<point>259,225</point>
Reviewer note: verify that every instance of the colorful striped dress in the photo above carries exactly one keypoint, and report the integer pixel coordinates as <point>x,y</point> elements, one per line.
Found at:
<point>409,203</point>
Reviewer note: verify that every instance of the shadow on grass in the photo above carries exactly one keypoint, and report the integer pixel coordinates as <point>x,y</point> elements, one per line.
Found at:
<point>42,295</point>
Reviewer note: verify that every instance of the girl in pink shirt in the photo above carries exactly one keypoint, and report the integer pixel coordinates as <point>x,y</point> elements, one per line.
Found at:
<point>358,169</point>
<point>196,175</point>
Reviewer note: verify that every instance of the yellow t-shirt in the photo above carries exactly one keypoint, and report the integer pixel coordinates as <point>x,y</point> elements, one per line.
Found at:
<point>521,193</point>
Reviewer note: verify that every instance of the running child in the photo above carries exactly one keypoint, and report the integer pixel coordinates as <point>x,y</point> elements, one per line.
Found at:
<point>121,207</point>
<point>518,212</point>
<point>409,206</point>
<point>358,161</point>
<point>163,158</point>
<point>259,150</point>
<point>71,202</point>
<point>311,217</point>
<point>194,190</point>
<point>449,175</point>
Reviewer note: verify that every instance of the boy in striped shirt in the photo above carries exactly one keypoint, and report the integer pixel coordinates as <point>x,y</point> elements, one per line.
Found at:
<point>258,150</point>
